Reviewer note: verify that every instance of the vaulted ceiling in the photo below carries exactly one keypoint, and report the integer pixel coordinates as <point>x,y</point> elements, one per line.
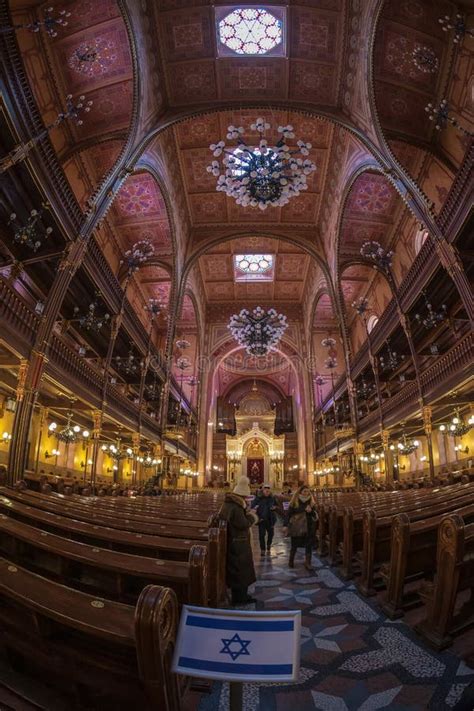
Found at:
<point>161,95</point>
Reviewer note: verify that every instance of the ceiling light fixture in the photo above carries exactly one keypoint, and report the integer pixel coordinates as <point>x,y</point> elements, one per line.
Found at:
<point>264,175</point>
<point>259,331</point>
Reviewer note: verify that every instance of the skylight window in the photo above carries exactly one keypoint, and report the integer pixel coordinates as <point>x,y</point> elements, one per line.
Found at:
<point>253,267</point>
<point>250,31</point>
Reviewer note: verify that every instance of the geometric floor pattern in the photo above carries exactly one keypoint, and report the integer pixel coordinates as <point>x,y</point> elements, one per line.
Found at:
<point>353,658</point>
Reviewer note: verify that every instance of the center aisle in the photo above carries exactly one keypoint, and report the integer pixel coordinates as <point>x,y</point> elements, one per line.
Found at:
<point>352,656</point>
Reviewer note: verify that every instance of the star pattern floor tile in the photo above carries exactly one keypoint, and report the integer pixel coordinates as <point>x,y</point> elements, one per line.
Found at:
<point>352,657</point>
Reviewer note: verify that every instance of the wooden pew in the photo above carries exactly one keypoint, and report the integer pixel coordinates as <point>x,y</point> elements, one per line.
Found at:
<point>119,576</point>
<point>102,654</point>
<point>135,543</point>
<point>174,530</point>
<point>377,535</point>
<point>454,574</point>
<point>413,554</point>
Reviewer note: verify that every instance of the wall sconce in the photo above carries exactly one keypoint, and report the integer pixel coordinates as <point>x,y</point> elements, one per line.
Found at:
<point>460,448</point>
<point>52,428</point>
<point>54,453</point>
<point>424,458</point>
<point>6,437</point>
<point>10,404</point>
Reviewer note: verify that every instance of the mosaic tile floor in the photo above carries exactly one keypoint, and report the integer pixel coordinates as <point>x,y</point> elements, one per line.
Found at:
<point>352,656</point>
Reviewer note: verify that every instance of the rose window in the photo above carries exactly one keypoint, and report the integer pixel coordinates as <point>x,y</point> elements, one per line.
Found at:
<point>250,31</point>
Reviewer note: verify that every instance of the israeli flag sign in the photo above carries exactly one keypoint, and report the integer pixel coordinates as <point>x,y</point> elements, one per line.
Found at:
<point>238,645</point>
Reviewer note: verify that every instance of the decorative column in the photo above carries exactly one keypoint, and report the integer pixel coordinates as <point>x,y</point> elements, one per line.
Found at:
<point>97,417</point>
<point>361,306</point>
<point>427,412</point>
<point>359,452</point>
<point>136,453</point>
<point>386,456</point>
<point>33,372</point>
<point>43,416</point>
<point>29,378</point>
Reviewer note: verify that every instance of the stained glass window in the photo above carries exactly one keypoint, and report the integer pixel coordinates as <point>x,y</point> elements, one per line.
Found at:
<point>250,31</point>
<point>253,267</point>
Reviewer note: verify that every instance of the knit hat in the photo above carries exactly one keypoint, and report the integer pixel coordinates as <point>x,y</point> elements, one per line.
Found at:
<point>242,487</point>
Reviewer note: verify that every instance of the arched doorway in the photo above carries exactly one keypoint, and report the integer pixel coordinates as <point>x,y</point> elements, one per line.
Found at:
<point>255,453</point>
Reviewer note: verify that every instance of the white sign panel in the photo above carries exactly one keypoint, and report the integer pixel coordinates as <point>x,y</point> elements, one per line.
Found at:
<point>238,645</point>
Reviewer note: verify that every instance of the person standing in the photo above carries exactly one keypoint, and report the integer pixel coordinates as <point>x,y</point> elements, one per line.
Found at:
<point>300,524</point>
<point>265,507</point>
<point>240,571</point>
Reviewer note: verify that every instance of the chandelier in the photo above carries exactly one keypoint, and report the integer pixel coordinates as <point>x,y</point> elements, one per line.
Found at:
<point>92,321</point>
<point>433,317</point>
<point>116,452</point>
<point>94,57</point>
<point>381,257</point>
<point>73,111</point>
<point>458,24</point>
<point>407,447</point>
<point>70,433</point>
<point>49,23</point>
<point>128,364</point>
<point>425,59</point>
<point>391,359</point>
<point>458,427</point>
<point>28,234</point>
<point>139,253</point>
<point>265,174</point>
<point>259,331</point>
<point>440,115</point>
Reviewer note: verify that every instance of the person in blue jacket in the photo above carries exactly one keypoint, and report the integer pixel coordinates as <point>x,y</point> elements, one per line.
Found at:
<point>265,507</point>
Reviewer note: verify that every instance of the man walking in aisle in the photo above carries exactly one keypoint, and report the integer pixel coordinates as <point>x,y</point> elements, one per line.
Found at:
<point>265,507</point>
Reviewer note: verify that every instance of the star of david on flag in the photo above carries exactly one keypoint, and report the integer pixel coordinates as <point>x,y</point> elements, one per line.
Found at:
<point>235,641</point>
<point>238,645</point>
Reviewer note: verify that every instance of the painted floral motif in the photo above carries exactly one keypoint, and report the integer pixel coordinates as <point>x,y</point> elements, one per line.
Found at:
<point>135,199</point>
<point>373,196</point>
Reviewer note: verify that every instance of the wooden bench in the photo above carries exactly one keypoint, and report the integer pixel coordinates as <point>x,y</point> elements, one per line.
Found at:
<point>102,654</point>
<point>111,520</point>
<point>413,555</point>
<point>119,576</point>
<point>377,539</point>
<point>127,542</point>
<point>455,573</point>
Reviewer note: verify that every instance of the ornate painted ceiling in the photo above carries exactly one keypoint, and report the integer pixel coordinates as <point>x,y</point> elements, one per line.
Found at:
<point>161,96</point>
<point>290,271</point>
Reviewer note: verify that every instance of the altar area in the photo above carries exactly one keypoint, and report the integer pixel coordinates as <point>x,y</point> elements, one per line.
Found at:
<point>255,450</point>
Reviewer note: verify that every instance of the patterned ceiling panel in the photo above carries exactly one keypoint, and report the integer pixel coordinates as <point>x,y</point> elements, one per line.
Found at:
<point>91,56</point>
<point>189,34</point>
<point>291,269</point>
<point>323,311</point>
<point>101,157</point>
<point>217,267</point>
<point>372,197</point>
<point>403,89</point>
<point>111,109</point>
<point>193,75</point>
<point>291,266</point>
<point>140,200</point>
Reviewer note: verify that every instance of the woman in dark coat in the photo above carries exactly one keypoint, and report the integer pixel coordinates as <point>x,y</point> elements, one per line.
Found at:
<point>300,523</point>
<point>240,571</point>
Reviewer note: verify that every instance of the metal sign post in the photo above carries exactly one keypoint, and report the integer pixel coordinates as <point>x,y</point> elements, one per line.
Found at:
<point>236,696</point>
<point>238,646</point>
